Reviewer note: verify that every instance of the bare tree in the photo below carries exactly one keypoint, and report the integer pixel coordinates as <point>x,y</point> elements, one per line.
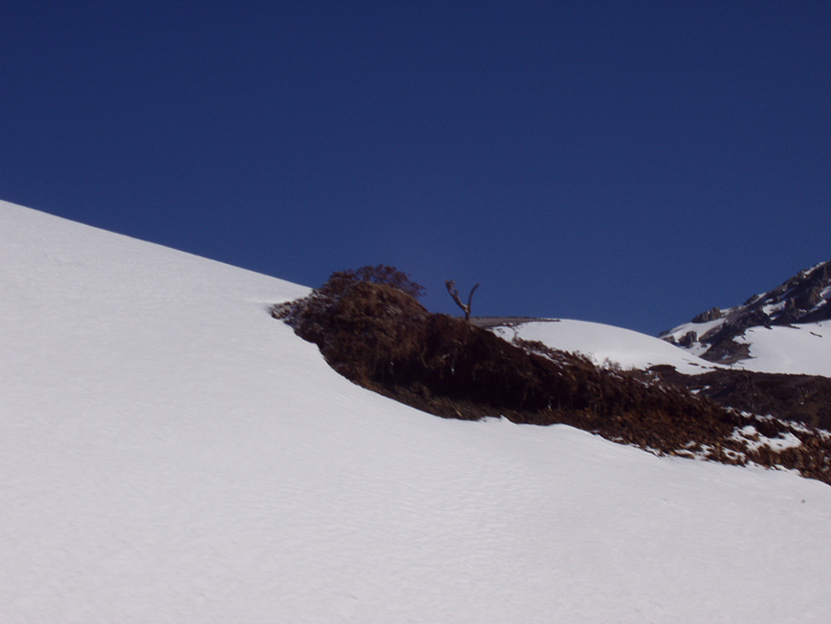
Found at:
<point>451,288</point>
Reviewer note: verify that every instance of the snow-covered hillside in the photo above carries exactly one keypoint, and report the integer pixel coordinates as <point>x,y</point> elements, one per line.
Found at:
<point>605,344</point>
<point>170,453</point>
<point>800,349</point>
<point>803,349</point>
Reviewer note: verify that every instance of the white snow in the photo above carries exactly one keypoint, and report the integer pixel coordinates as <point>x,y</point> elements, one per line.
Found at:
<point>754,440</point>
<point>170,453</point>
<point>803,349</point>
<point>607,345</point>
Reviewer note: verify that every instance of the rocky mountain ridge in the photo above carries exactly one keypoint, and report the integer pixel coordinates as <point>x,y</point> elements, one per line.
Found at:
<point>715,335</point>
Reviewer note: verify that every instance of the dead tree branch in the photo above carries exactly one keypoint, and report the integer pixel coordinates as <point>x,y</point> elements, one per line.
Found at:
<point>454,294</point>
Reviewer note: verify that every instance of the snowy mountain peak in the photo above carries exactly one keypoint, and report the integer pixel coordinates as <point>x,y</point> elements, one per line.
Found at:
<point>804,298</point>
<point>723,335</point>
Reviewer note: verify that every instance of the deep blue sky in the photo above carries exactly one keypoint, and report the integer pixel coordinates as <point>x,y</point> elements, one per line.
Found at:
<point>632,163</point>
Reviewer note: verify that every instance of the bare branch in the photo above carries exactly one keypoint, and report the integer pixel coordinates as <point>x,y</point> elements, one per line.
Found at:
<point>454,294</point>
<point>470,298</point>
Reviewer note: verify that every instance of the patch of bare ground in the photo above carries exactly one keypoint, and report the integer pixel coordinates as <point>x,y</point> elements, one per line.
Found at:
<point>382,339</point>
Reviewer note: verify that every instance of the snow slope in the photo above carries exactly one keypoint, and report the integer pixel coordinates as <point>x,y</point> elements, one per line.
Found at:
<point>803,349</point>
<point>799,349</point>
<point>169,453</point>
<point>606,344</point>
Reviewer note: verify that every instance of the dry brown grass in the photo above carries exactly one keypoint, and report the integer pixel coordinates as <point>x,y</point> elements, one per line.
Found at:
<point>383,339</point>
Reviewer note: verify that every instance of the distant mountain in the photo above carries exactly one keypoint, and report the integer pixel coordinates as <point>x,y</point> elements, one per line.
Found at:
<point>726,336</point>
<point>772,354</point>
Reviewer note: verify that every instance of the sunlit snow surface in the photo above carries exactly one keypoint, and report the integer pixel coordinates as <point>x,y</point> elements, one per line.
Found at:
<point>798,350</point>
<point>607,345</point>
<point>801,349</point>
<point>169,453</point>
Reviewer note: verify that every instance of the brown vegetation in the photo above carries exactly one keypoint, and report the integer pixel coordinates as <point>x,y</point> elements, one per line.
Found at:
<point>380,337</point>
<point>801,398</point>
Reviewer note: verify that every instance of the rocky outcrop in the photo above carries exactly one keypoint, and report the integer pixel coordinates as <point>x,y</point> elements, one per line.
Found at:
<point>804,298</point>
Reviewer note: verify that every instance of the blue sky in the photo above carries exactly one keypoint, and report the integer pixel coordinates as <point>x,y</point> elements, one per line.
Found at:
<point>631,163</point>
